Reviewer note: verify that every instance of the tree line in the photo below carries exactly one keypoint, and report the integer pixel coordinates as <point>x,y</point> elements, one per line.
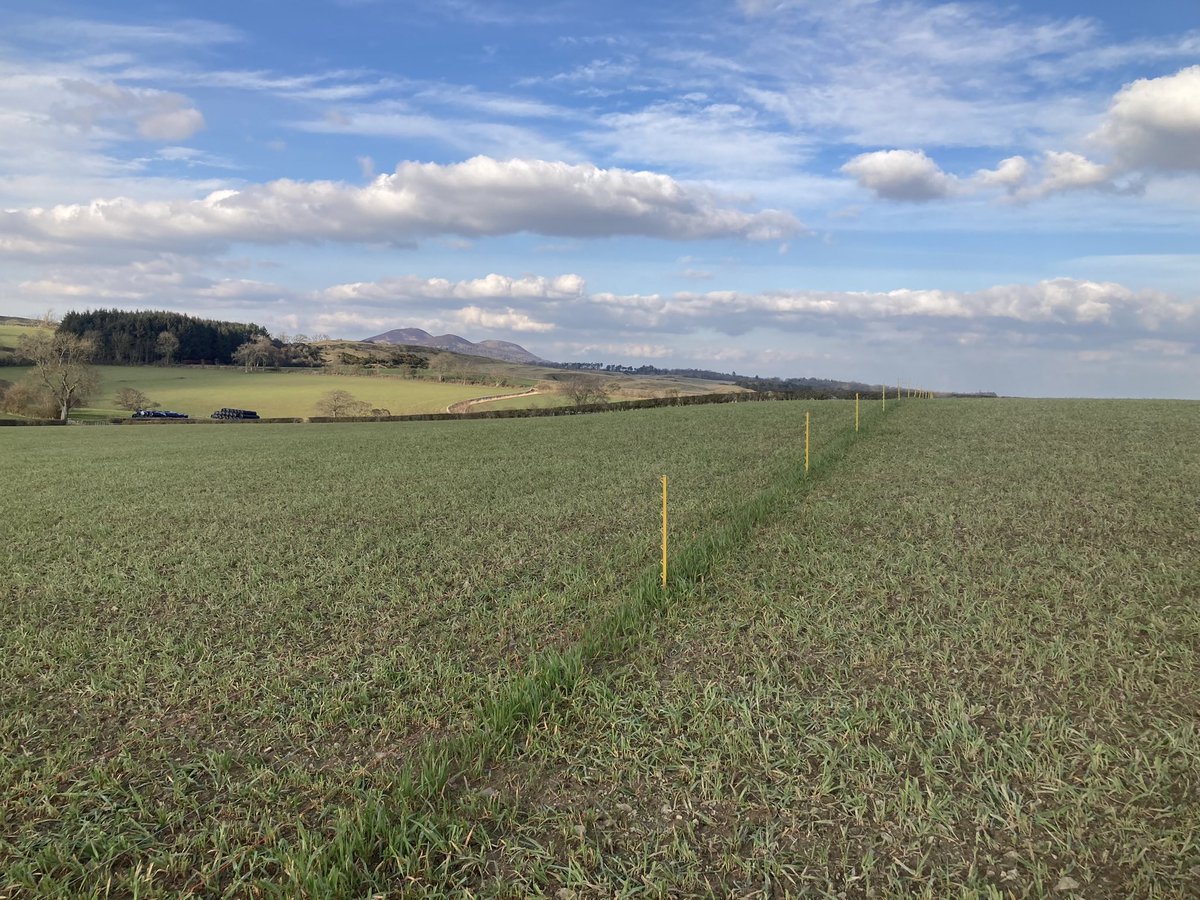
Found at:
<point>142,337</point>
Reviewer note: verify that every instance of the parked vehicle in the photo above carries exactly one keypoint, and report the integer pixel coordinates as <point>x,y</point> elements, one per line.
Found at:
<point>158,414</point>
<point>226,412</point>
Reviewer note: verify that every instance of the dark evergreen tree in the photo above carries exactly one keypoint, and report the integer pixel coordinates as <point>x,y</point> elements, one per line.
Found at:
<point>131,337</point>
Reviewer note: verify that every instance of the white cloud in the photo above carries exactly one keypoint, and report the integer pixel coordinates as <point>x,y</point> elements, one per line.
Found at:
<point>578,350</point>
<point>1065,171</point>
<point>697,137</point>
<point>490,287</point>
<point>775,331</point>
<point>1154,123</point>
<point>510,320</point>
<point>903,175</point>
<point>481,196</point>
<point>64,128</point>
<point>1012,173</point>
<point>158,115</point>
<point>906,175</point>
<point>909,73</point>
<point>1060,301</point>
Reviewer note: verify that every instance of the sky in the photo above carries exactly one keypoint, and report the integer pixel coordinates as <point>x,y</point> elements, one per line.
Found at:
<point>957,196</point>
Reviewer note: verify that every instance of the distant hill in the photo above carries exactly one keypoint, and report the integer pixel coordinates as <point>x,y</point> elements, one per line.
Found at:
<point>416,337</point>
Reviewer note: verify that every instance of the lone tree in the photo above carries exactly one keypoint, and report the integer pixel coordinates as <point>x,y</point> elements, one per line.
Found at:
<point>133,399</point>
<point>339,404</point>
<point>167,346</point>
<point>584,390</point>
<point>62,363</point>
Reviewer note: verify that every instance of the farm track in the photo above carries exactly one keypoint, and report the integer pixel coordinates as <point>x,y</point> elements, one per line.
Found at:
<point>463,406</point>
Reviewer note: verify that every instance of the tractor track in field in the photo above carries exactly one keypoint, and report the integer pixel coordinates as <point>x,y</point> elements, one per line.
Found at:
<point>463,406</point>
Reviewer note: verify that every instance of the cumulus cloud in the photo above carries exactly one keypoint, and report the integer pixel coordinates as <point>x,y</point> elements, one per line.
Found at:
<point>481,196</point>
<point>510,319</point>
<point>901,175</point>
<point>1057,172</point>
<point>1011,174</point>
<point>1065,171</point>
<point>1154,123</point>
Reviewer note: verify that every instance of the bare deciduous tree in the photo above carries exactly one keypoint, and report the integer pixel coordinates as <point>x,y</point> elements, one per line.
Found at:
<point>584,390</point>
<point>62,365</point>
<point>340,404</point>
<point>133,399</point>
<point>258,352</point>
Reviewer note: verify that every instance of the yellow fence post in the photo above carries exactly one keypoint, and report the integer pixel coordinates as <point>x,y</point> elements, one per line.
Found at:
<point>806,415</point>
<point>664,532</point>
<point>856,413</point>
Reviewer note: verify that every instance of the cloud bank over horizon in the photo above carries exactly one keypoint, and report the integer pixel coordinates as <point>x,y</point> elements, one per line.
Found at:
<point>1068,314</point>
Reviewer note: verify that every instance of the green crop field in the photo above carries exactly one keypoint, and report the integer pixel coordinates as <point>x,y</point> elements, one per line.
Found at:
<point>219,643</point>
<point>960,659</point>
<point>295,392</point>
<point>966,663</point>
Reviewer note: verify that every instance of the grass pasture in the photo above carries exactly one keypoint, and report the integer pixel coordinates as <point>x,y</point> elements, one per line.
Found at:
<point>293,392</point>
<point>960,660</point>
<point>11,334</point>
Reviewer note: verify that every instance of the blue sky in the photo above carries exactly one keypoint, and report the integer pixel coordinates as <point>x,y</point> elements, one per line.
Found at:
<point>963,196</point>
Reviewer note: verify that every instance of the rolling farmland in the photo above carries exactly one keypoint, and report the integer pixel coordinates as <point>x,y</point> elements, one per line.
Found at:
<point>292,392</point>
<point>432,657</point>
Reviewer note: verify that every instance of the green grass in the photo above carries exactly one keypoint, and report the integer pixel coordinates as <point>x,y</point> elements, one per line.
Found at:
<point>11,334</point>
<point>960,659</point>
<point>201,391</point>
<point>965,663</point>
<point>225,646</point>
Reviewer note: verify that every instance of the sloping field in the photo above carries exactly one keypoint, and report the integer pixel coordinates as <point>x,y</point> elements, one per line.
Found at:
<point>964,664</point>
<point>223,647</point>
<point>11,334</point>
<point>199,392</point>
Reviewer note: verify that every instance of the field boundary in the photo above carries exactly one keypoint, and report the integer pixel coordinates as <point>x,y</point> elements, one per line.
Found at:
<point>414,824</point>
<point>617,406</point>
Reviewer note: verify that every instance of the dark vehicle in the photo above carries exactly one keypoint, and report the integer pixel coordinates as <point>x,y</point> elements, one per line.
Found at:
<point>158,414</point>
<point>226,413</point>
